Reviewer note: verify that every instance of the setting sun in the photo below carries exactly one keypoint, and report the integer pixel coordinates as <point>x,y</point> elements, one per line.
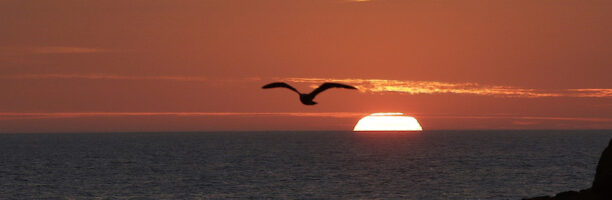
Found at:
<point>388,122</point>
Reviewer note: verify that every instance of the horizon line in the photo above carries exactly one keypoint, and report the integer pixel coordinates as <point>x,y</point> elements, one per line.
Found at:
<point>299,130</point>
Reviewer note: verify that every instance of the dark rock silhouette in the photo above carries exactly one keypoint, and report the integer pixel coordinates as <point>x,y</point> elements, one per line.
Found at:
<point>602,185</point>
<point>603,176</point>
<point>306,99</point>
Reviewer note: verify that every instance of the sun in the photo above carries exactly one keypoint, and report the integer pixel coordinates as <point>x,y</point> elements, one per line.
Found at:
<point>388,122</point>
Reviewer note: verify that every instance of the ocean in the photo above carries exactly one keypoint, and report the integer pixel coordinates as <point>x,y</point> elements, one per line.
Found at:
<point>298,164</point>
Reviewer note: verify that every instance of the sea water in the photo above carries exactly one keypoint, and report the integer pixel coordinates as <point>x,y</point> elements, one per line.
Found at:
<point>298,164</point>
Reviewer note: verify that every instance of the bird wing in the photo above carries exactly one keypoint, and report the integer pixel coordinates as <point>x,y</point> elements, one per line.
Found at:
<point>279,84</point>
<point>328,85</point>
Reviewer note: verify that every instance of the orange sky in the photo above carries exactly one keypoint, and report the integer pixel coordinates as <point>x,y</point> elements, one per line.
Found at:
<point>165,65</point>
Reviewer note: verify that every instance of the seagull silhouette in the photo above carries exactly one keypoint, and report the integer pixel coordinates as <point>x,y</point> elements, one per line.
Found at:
<point>306,99</point>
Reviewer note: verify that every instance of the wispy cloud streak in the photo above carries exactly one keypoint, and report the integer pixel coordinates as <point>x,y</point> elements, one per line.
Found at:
<point>593,92</point>
<point>435,87</point>
<point>65,50</point>
<point>364,85</point>
<point>353,115</point>
<point>24,50</point>
<point>519,117</point>
<point>120,77</point>
<point>103,76</point>
<point>18,115</point>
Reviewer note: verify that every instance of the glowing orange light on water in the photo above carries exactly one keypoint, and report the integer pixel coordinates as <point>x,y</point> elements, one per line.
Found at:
<point>387,122</point>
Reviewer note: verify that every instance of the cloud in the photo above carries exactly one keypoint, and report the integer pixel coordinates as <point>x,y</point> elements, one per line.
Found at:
<point>592,92</point>
<point>121,77</point>
<point>50,115</point>
<point>103,77</point>
<point>518,119</point>
<point>25,50</point>
<point>364,85</point>
<point>436,87</point>
<point>65,50</point>
<point>525,123</point>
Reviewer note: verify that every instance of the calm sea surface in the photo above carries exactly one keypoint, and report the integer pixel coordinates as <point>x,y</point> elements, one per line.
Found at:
<point>298,165</point>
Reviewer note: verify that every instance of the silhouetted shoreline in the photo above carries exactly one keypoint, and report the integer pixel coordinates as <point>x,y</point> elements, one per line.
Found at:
<point>602,184</point>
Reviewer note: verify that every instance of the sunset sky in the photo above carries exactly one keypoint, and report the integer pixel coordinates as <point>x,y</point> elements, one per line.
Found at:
<point>166,65</point>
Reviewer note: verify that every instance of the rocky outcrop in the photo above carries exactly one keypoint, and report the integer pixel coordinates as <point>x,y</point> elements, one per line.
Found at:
<point>602,185</point>
<point>603,176</point>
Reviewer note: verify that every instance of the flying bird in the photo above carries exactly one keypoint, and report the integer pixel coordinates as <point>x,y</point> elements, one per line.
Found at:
<point>306,99</point>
